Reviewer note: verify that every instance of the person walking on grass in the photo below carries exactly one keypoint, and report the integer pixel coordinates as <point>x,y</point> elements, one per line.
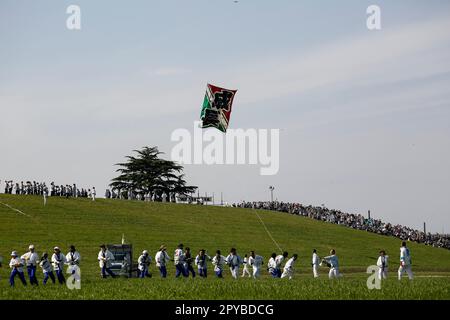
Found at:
<point>272,266</point>
<point>179,261</point>
<point>189,260</point>
<point>288,270</point>
<point>58,261</point>
<point>201,262</point>
<point>382,264</point>
<point>31,260</point>
<point>144,262</point>
<point>73,260</point>
<point>245,270</point>
<point>405,262</point>
<point>315,263</point>
<point>255,262</point>
<point>16,264</point>
<point>105,258</point>
<point>161,259</point>
<point>333,262</point>
<point>279,261</point>
<point>47,269</point>
<point>234,261</point>
<point>218,262</point>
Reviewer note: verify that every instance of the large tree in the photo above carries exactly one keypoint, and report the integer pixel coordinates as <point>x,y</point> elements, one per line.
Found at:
<point>147,172</point>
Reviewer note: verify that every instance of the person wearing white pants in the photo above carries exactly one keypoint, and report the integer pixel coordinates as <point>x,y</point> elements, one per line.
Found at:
<point>234,261</point>
<point>245,271</point>
<point>315,263</point>
<point>382,264</point>
<point>288,271</point>
<point>333,262</point>
<point>405,262</point>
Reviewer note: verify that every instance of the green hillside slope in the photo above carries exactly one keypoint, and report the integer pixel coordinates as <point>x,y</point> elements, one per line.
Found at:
<point>87,224</point>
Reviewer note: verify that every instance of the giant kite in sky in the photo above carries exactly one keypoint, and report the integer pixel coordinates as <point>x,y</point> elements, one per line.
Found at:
<point>216,110</point>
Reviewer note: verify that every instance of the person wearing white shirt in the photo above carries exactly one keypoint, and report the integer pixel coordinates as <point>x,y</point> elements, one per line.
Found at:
<point>31,260</point>
<point>94,193</point>
<point>58,261</point>
<point>73,260</point>
<point>382,264</point>
<point>405,262</point>
<point>218,262</point>
<point>200,261</point>
<point>180,263</point>
<point>234,261</point>
<point>161,259</point>
<point>255,262</point>
<point>272,266</point>
<point>144,261</point>
<point>315,263</point>
<point>16,264</point>
<point>288,270</point>
<point>245,270</point>
<point>105,258</point>
<point>47,268</point>
<point>278,261</point>
<point>333,262</point>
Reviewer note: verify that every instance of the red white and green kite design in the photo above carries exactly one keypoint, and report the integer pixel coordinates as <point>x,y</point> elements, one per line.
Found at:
<point>216,110</point>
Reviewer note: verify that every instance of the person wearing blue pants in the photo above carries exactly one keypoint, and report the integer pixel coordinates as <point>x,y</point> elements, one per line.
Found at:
<point>218,262</point>
<point>200,261</point>
<point>143,264</point>
<point>188,259</point>
<point>180,263</point>
<point>272,266</point>
<point>31,259</point>
<point>161,259</point>
<point>16,264</point>
<point>105,257</point>
<point>47,268</point>
<point>58,261</point>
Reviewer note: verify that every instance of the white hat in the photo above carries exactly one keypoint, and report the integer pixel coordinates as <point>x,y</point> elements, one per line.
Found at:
<point>31,246</point>
<point>14,253</point>
<point>56,248</point>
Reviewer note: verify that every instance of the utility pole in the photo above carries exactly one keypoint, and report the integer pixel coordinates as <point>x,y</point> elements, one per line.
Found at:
<point>425,228</point>
<point>369,213</point>
<point>271,188</point>
<point>221,198</point>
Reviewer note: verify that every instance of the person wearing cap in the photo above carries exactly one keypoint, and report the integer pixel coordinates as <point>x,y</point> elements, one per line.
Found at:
<point>233,260</point>
<point>288,270</point>
<point>333,262</point>
<point>31,260</point>
<point>58,261</point>
<point>218,262</point>
<point>72,260</point>
<point>144,261</point>
<point>189,260</point>
<point>46,268</point>
<point>16,264</point>
<point>161,259</point>
<point>105,257</point>
<point>179,261</point>
<point>200,261</point>
<point>255,261</point>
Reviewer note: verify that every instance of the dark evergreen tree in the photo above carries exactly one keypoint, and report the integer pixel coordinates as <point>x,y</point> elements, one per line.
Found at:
<point>147,172</point>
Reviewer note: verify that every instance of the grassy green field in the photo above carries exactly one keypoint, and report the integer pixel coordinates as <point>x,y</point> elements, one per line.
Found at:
<point>88,224</point>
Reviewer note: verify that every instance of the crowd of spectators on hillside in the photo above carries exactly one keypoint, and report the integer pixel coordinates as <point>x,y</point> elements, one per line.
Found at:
<point>40,188</point>
<point>355,221</point>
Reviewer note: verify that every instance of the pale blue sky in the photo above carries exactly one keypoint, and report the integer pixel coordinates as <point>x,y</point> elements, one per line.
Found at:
<point>365,116</point>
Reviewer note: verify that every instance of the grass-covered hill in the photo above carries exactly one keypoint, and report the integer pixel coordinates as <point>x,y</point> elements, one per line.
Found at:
<point>87,224</point>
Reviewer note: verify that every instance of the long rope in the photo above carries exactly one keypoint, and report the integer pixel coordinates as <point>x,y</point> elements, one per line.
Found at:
<point>267,230</point>
<point>14,209</point>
